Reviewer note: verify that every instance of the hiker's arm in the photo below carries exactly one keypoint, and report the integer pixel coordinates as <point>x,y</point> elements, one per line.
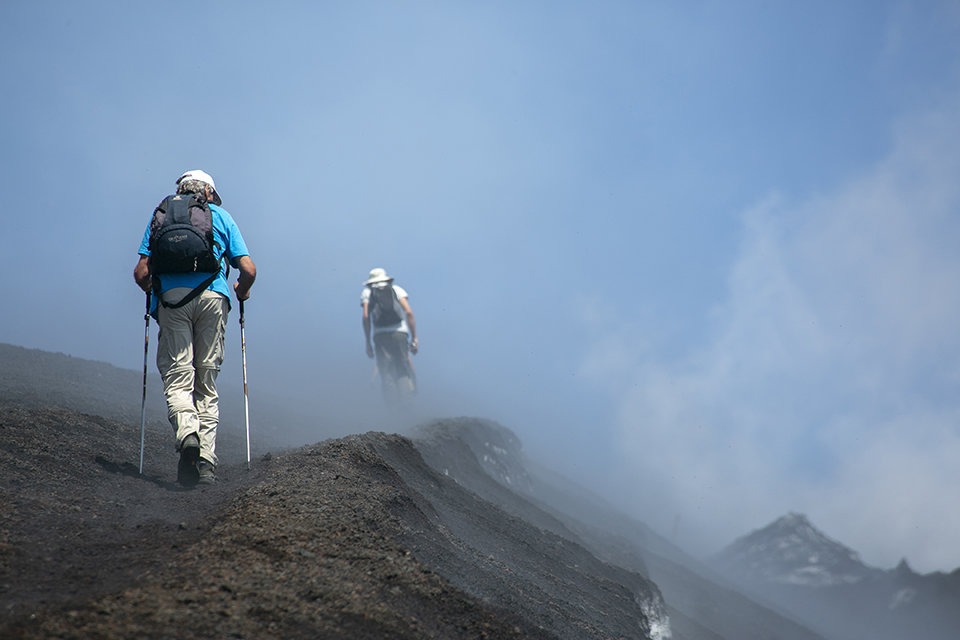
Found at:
<point>366,328</point>
<point>141,273</point>
<point>412,323</point>
<point>248,273</point>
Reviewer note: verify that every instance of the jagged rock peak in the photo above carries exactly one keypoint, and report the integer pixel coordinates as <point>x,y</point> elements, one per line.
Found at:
<point>797,524</point>
<point>903,568</point>
<point>791,550</point>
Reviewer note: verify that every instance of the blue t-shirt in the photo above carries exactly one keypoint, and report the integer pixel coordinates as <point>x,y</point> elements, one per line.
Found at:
<point>227,234</point>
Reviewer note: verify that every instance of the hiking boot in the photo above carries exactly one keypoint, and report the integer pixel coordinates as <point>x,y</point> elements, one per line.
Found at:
<point>187,472</point>
<point>206,471</point>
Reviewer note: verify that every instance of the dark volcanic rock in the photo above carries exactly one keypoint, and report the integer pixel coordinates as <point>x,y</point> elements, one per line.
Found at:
<point>370,536</point>
<point>305,545</point>
<point>351,538</point>
<point>515,565</point>
<point>791,551</point>
<point>30,377</point>
<point>488,459</point>
<point>795,567</point>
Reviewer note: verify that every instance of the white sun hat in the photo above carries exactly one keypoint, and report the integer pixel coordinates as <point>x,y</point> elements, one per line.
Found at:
<point>204,177</point>
<point>378,275</point>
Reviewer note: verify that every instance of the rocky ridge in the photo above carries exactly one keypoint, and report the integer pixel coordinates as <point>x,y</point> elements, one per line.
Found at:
<point>452,533</point>
<point>791,551</point>
<point>796,568</point>
<point>348,538</point>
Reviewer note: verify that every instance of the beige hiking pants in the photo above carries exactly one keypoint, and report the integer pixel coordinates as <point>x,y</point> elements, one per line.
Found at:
<point>189,354</point>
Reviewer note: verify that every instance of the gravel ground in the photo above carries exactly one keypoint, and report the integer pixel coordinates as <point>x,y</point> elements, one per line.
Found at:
<point>327,541</point>
<point>349,538</point>
<point>301,546</point>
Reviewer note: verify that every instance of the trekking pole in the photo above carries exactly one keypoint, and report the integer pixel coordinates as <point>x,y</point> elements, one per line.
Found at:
<point>143,403</point>
<point>246,401</point>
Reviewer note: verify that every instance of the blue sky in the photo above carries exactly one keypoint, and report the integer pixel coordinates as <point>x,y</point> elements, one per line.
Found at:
<point>699,256</point>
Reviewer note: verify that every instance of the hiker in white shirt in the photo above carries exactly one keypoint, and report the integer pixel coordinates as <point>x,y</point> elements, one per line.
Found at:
<point>388,320</point>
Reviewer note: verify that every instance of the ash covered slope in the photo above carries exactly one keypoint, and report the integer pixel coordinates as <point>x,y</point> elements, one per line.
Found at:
<point>797,567</point>
<point>304,546</point>
<point>352,538</point>
<point>488,459</point>
<point>31,377</point>
<point>523,564</point>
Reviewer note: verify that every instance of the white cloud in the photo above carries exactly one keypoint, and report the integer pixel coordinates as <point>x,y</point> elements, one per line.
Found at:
<point>897,491</point>
<point>829,383</point>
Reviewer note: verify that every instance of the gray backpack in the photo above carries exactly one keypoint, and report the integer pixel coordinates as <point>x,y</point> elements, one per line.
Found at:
<point>181,241</point>
<point>384,306</point>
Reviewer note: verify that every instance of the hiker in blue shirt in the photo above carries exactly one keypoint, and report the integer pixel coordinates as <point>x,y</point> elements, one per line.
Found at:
<point>191,308</point>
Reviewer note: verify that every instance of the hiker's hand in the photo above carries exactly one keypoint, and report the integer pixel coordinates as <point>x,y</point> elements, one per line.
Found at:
<point>414,346</point>
<point>369,350</point>
<point>141,274</point>
<point>248,273</point>
<point>244,295</point>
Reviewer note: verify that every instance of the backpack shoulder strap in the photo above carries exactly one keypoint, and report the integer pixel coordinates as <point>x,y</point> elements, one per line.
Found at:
<point>158,220</point>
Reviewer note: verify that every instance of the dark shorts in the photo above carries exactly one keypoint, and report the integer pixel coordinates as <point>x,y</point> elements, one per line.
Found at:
<point>393,362</point>
<point>392,350</point>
